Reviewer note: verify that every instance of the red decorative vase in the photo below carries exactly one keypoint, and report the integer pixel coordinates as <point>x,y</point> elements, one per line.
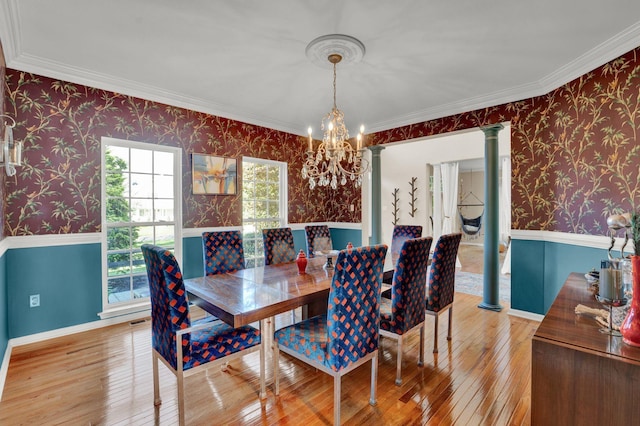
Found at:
<point>301,261</point>
<point>630,328</point>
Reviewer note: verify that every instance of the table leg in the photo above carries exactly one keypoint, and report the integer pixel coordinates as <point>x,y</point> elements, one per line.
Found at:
<point>263,330</point>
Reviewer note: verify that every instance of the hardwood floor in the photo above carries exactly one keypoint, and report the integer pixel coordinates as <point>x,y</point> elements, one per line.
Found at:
<point>104,377</point>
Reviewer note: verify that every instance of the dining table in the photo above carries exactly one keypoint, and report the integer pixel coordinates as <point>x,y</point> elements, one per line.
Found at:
<point>248,295</point>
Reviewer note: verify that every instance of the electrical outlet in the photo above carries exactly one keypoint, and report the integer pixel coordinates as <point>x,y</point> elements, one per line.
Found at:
<point>34,300</point>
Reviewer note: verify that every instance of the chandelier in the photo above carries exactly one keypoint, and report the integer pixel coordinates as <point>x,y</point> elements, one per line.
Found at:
<point>336,159</point>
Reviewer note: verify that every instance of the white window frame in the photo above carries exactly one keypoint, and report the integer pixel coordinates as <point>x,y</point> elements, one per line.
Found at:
<point>136,305</point>
<point>283,203</point>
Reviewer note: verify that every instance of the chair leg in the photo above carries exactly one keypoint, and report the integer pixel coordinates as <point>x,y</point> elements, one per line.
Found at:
<point>374,379</point>
<point>435,336</point>
<point>336,399</point>
<point>450,319</point>
<point>421,359</point>
<point>156,386</point>
<point>263,389</point>
<point>276,367</point>
<point>180,377</point>
<point>399,362</point>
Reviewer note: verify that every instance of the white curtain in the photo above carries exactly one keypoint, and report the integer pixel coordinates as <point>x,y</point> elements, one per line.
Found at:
<point>450,184</point>
<point>450,180</point>
<point>437,203</point>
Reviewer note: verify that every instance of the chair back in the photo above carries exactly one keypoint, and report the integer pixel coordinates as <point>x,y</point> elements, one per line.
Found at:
<point>318,239</point>
<point>222,251</point>
<point>278,246</point>
<point>169,303</point>
<point>408,291</point>
<point>443,272</point>
<point>401,233</point>
<point>353,313</point>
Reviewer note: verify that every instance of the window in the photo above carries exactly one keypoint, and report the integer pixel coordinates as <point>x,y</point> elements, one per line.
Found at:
<point>264,204</point>
<point>140,204</point>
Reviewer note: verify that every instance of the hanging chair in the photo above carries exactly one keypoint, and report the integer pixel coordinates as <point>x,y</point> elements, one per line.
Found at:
<point>471,226</point>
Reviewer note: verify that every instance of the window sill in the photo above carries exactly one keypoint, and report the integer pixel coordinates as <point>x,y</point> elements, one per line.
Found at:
<point>137,308</point>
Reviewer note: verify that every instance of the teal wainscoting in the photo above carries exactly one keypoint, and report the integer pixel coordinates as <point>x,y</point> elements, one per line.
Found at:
<point>4,314</point>
<point>192,257</point>
<point>540,268</point>
<point>68,280</point>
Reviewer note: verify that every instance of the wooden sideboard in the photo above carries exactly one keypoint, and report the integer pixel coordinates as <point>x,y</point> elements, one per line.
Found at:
<point>580,376</point>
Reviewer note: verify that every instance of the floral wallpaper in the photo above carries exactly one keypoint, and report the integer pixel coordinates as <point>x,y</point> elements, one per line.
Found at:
<point>575,156</point>
<point>574,153</point>
<point>57,189</point>
<point>3,70</point>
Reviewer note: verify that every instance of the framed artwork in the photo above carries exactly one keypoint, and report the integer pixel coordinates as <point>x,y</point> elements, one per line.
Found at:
<point>213,175</point>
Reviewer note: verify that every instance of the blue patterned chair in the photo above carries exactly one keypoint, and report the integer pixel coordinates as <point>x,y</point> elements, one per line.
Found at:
<point>347,335</point>
<point>278,246</point>
<point>318,239</point>
<point>405,310</point>
<point>401,233</point>
<point>179,343</point>
<point>222,251</point>
<point>442,278</point>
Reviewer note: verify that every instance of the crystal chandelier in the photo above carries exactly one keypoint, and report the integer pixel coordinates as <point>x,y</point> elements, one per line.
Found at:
<point>335,159</point>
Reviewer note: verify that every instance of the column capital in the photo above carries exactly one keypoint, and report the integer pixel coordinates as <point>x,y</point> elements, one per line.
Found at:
<point>492,129</point>
<point>375,149</point>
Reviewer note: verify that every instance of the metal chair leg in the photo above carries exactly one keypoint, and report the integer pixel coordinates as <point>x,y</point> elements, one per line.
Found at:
<point>156,386</point>
<point>450,320</point>
<point>435,336</point>
<point>336,399</point>
<point>374,379</point>
<point>399,362</point>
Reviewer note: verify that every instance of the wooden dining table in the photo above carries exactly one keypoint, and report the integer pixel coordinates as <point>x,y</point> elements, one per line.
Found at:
<point>249,295</point>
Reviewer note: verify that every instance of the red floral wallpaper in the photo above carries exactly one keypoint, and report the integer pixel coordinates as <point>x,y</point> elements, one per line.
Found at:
<point>3,70</point>
<point>574,153</point>
<point>57,190</point>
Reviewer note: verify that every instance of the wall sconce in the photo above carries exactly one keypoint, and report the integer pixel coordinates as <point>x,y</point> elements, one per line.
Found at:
<point>10,150</point>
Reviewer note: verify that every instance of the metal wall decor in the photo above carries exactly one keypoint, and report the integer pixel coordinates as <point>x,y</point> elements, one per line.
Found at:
<point>414,198</point>
<point>394,203</point>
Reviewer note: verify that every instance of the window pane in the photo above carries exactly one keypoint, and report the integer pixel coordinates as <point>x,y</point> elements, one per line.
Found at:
<point>248,208</point>
<point>118,264</point>
<point>119,289</point>
<point>273,191</point>
<point>142,235</point>
<point>163,210</point>
<point>261,173</point>
<point>272,174</point>
<point>274,210</point>
<point>117,210</point>
<point>141,161</point>
<point>165,236</point>
<point>117,184</point>
<point>141,210</point>
<point>163,163</point>
<point>261,191</point>
<point>163,187</point>
<point>141,185</point>
<point>118,238</point>
<point>117,158</point>
<point>140,286</point>
<point>261,210</point>
<point>137,261</point>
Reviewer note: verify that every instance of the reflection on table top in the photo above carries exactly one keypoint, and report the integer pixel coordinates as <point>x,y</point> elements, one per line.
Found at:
<point>249,295</point>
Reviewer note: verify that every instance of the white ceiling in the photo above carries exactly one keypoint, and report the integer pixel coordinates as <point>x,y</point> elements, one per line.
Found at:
<point>245,59</point>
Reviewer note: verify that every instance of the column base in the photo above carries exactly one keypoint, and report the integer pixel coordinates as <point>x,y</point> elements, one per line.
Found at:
<point>490,307</point>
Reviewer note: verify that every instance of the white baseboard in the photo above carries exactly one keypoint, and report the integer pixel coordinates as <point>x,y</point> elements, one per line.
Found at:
<point>66,331</point>
<point>5,368</point>
<point>526,315</point>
